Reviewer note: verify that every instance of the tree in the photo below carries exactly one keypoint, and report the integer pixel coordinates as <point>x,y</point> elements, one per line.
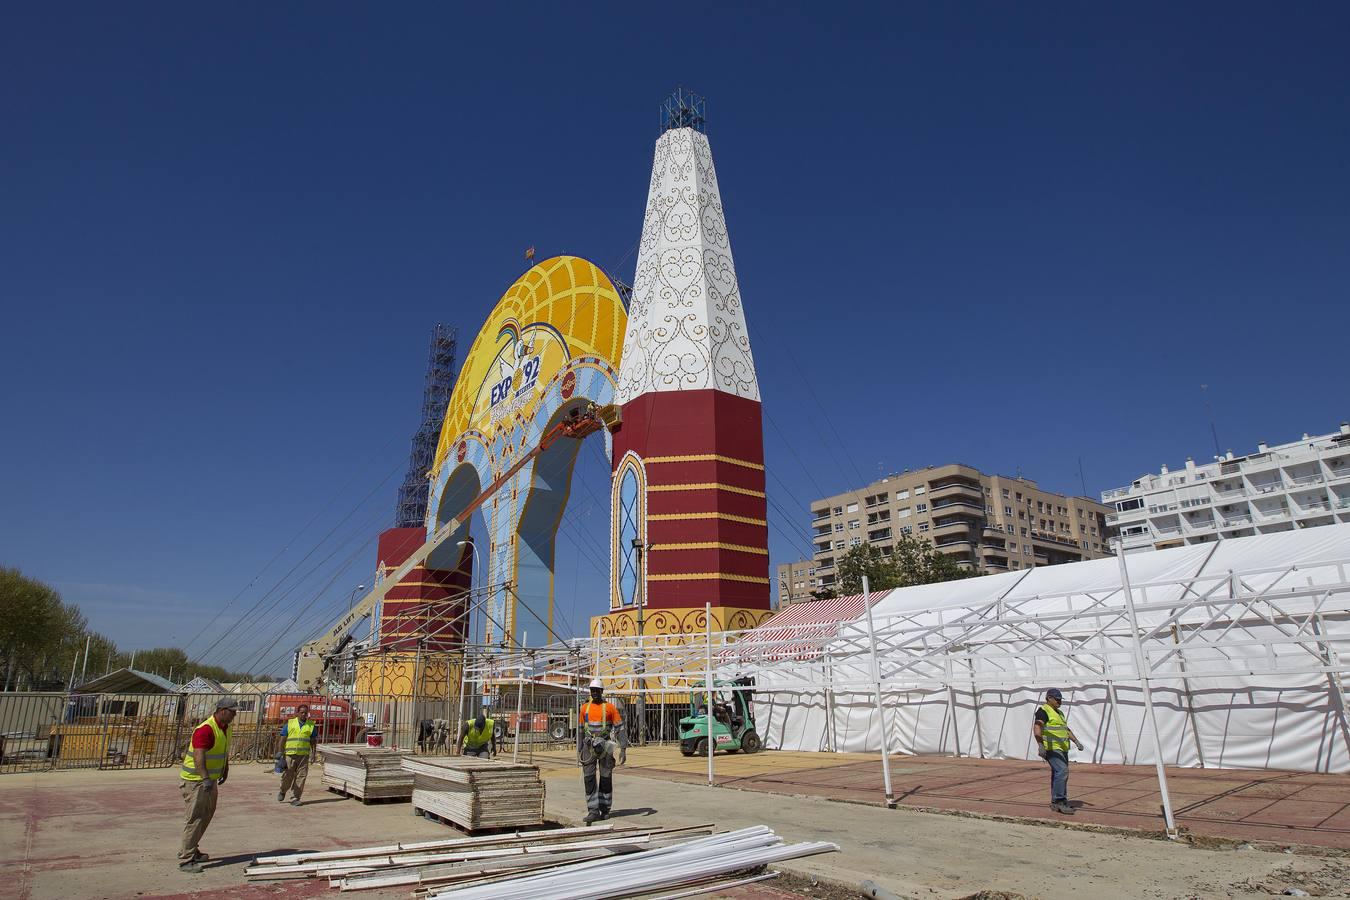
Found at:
<point>911,561</point>
<point>878,565</point>
<point>31,618</point>
<point>46,644</point>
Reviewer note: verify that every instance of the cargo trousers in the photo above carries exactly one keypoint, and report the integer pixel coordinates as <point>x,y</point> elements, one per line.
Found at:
<point>293,779</point>
<point>200,799</point>
<point>597,771</point>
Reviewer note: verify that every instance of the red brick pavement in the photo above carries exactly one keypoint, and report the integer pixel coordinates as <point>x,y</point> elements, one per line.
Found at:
<point>1237,804</point>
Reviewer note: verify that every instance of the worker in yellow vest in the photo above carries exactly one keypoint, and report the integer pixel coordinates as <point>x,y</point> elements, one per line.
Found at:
<point>301,740</point>
<point>601,742</point>
<point>479,737</point>
<point>1053,734</point>
<point>206,765</point>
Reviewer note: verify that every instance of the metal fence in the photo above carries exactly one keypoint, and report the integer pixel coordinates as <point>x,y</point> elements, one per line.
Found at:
<point>59,730</point>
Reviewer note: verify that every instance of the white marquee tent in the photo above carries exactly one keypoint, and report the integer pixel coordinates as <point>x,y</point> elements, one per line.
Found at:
<point>1243,645</point>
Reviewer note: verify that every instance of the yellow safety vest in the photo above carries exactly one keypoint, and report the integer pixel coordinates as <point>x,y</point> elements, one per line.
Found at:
<point>216,755</point>
<point>475,738</point>
<point>1055,732</point>
<point>298,736</point>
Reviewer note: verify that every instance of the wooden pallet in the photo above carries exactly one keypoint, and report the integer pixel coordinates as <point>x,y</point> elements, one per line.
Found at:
<point>365,801</point>
<point>478,795</point>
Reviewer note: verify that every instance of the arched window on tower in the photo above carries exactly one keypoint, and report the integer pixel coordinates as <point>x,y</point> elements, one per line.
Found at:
<point>630,525</point>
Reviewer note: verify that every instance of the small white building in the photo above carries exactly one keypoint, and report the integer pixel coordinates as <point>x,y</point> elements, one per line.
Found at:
<point>1297,485</point>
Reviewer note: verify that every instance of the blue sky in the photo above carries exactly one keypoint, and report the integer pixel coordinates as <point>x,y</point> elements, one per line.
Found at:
<point>975,232</point>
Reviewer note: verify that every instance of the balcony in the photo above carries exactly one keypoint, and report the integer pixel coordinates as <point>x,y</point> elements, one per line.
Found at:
<point>1306,481</point>
<point>1171,529</point>
<point>957,544</point>
<point>1235,521</point>
<point>963,503</point>
<point>957,489</point>
<point>1316,507</point>
<point>1115,492</point>
<point>1230,494</point>
<point>819,514</point>
<point>1049,537</point>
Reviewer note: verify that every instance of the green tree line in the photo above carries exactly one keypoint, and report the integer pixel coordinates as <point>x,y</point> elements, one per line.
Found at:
<point>43,643</point>
<point>911,561</point>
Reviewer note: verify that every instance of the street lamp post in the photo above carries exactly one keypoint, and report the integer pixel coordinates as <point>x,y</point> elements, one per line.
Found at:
<point>638,548</point>
<point>468,632</point>
<point>351,598</point>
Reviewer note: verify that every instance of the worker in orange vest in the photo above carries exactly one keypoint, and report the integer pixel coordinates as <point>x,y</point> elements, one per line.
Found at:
<point>601,738</point>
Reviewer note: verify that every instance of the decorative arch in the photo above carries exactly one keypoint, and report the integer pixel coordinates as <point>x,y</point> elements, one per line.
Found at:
<point>551,344</point>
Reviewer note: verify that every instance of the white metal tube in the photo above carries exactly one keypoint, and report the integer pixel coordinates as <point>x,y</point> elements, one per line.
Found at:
<point>520,699</point>
<point>876,686</point>
<point>708,720</point>
<point>1142,664</point>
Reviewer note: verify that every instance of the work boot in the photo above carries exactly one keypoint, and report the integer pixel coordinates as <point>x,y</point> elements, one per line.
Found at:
<point>199,856</point>
<point>281,798</point>
<point>295,802</point>
<point>591,817</point>
<point>192,867</point>
<point>1062,806</point>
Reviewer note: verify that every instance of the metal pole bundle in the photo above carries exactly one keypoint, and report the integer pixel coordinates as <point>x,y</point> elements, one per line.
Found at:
<point>682,864</point>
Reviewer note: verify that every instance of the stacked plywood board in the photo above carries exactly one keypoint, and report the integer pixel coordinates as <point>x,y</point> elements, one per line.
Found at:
<point>476,793</point>
<point>367,773</point>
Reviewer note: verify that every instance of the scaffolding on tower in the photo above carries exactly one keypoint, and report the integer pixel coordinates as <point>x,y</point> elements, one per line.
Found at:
<point>411,511</point>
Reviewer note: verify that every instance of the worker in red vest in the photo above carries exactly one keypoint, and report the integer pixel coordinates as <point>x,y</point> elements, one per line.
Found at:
<point>601,738</point>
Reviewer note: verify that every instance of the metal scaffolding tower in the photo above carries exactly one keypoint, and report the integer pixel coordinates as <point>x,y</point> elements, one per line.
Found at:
<point>412,496</point>
<point>684,109</point>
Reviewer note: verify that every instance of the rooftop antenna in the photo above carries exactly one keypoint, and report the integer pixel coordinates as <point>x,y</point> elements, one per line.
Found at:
<point>1209,412</point>
<point>1081,480</point>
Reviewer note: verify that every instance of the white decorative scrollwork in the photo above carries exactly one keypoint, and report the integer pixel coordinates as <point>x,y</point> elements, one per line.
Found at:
<point>686,327</point>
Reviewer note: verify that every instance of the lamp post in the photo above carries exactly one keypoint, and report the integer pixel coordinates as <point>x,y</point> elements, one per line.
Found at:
<point>468,631</point>
<point>351,598</point>
<point>641,597</point>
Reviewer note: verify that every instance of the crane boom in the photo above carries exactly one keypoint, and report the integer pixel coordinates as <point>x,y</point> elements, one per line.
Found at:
<point>313,658</point>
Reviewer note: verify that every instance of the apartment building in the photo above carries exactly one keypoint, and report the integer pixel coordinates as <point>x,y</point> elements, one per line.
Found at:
<point>992,523</point>
<point>796,581</point>
<point>1301,484</point>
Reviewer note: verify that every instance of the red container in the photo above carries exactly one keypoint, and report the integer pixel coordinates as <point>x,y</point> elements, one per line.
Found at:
<point>374,739</point>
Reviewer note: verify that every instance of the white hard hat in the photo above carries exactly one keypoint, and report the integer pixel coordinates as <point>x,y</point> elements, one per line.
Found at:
<point>596,683</point>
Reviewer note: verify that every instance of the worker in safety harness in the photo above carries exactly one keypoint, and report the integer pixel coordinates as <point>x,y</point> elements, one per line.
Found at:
<point>601,738</point>
<point>205,765</point>
<point>1052,737</point>
<point>301,741</point>
<point>479,737</point>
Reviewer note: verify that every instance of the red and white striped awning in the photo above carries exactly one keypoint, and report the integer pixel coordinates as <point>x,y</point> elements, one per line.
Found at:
<point>798,631</point>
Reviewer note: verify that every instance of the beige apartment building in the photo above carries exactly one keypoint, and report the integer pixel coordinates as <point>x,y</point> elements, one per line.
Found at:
<point>992,523</point>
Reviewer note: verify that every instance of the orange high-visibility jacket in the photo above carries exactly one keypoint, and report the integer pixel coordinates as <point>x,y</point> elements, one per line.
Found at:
<point>600,718</point>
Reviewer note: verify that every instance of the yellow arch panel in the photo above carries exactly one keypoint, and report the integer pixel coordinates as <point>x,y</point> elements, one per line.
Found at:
<point>563,307</point>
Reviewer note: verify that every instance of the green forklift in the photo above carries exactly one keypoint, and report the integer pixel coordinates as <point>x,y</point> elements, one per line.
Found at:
<point>733,727</point>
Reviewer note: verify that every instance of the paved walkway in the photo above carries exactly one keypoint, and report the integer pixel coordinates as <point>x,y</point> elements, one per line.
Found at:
<point>113,834</point>
<point>1241,805</point>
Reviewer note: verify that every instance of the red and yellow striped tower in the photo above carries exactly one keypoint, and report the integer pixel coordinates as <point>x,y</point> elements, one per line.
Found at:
<point>420,635</point>
<point>688,463</point>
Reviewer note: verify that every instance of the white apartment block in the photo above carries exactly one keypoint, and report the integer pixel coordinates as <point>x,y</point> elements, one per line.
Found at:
<point>1296,485</point>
